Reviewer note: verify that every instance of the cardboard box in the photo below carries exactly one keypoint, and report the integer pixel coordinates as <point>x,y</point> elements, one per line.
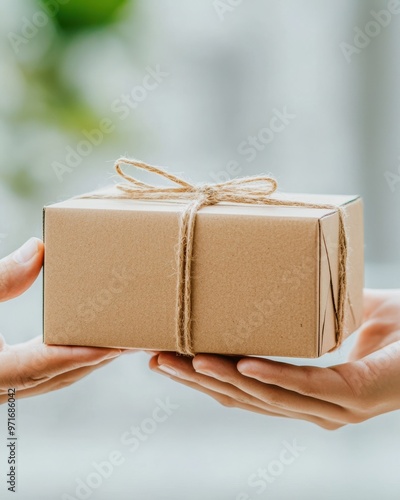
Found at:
<point>265,278</point>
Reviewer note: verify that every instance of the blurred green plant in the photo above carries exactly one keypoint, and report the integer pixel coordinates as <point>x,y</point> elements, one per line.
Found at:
<point>20,181</point>
<point>82,14</point>
<point>50,100</point>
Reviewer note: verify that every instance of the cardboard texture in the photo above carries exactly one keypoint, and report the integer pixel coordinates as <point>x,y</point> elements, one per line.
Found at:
<point>265,278</point>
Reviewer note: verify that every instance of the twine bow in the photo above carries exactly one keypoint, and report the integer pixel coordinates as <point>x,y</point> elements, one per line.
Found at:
<point>254,190</point>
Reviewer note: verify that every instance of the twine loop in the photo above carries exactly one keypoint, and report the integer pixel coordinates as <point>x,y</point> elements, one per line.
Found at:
<point>248,190</point>
<point>209,192</point>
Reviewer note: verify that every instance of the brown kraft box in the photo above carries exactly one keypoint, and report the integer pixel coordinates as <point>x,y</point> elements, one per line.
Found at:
<point>265,278</point>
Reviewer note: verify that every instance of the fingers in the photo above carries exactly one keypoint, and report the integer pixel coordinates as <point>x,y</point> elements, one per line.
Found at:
<point>27,366</point>
<point>20,269</point>
<point>220,398</point>
<point>182,368</point>
<point>231,388</point>
<point>274,395</point>
<point>321,383</point>
<point>61,381</point>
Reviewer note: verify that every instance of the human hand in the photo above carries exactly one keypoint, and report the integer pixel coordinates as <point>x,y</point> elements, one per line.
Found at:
<point>364,387</point>
<point>33,368</point>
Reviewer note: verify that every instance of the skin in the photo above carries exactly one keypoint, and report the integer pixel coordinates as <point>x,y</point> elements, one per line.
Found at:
<point>33,368</point>
<point>366,386</point>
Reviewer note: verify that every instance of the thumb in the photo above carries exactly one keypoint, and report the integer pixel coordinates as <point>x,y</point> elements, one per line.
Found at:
<point>20,269</point>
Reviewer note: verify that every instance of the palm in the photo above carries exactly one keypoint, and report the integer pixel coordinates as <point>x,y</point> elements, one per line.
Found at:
<point>381,325</point>
<point>32,368</point>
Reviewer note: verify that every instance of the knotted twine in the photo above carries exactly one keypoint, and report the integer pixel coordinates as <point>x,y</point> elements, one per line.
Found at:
<point>254,190</point>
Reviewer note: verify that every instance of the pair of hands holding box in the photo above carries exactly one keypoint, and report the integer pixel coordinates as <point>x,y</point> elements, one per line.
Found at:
<point>366,386</point>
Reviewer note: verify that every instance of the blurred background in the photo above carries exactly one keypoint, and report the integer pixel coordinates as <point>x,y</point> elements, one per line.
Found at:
<point>194,86</point>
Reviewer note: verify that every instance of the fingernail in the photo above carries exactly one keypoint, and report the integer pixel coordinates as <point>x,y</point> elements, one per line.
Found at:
<point>28,250</point>
<point>167,369</point>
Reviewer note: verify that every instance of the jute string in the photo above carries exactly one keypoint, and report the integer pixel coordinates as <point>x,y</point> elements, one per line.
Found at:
<point>254,190</point>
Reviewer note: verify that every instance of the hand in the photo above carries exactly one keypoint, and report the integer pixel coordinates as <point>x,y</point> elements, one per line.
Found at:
<point>364,387</point>
<point>33,368</point>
